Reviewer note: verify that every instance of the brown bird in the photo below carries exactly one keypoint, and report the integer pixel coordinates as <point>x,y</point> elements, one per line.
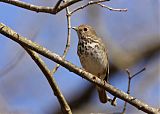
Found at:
<point>93,55</point>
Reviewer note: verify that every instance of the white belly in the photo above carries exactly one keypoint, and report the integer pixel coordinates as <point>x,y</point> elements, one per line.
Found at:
<point>94,64</point>
<point>93,58</point>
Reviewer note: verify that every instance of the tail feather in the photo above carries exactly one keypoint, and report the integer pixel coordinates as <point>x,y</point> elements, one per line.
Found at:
<point>102,95</point>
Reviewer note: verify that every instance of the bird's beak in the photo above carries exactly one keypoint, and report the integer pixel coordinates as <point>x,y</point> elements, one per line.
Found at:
<point>75,28</point>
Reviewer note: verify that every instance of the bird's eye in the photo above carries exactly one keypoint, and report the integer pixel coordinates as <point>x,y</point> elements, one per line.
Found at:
<point>85,29</point>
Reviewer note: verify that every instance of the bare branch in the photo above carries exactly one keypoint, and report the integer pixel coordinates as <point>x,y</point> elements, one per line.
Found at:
<point>66,4</point>
<point>98,3</point>
<point>68,39</point>
<point>130,77</point>
<point>112,9</point>
<point>64,105</point>
<point>128,89</point>
<point>114,101</point>
<point>58,3</point>
<point>44,9</point>
<point>9,33</point>
<point>88,4</point>
<point>138,72</point>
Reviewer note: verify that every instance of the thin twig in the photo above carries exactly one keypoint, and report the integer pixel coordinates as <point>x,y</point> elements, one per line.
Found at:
<point>113,102</point>
<point>88,4</point>
<point>138,72</point>
<point>57,4</point>
<point>64,105</point>
<point>68,39</point>
<point>66,4</point>
<point>112,9</point>
<point>9,33</point>
<point>98,3</point>
<point>130,77</point>
<point>128,90</point>
<point>53,10</point>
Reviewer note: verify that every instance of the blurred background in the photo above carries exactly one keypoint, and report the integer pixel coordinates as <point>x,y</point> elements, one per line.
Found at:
<point>132,38</point>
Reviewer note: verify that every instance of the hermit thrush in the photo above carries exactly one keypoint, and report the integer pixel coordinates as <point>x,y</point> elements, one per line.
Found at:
<point>93,55</point>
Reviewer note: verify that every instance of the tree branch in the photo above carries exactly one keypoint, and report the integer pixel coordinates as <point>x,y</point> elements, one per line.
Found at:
<point>64,105</point>
<point>68,39</point>
<point>98,3</point>
<point>130,77</point>
<point>128,90</point>
<point>9,33</point>
<point>112,9</point>
<point>52,10</point>
<point>57,4</point>
<point>88,4</point>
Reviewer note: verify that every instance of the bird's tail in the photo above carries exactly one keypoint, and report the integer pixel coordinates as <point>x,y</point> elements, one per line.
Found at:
<point>102,95</point>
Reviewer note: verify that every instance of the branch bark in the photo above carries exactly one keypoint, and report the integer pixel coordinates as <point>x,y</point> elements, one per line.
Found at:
<point>9,33</point>
<point>68,39</point>
<point>64,105</point>
<point>52,10</point>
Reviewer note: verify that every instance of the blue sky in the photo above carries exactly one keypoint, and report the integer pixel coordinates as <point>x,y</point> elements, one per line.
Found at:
<point>25,89</point>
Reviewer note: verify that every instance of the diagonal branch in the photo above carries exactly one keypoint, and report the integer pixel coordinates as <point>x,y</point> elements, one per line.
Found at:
<point>57,4</point>
<point>66,4</point>
<point>130,77</point>
<point>9,33</point>
<point>88,4</point>
<point>64,105</point>
<point>112,9</point>
<point>53,10</point>
<point>98,3</point>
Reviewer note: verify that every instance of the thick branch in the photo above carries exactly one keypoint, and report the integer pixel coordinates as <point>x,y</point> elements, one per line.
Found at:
<point>53,10</point>
<point>6,31</point>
